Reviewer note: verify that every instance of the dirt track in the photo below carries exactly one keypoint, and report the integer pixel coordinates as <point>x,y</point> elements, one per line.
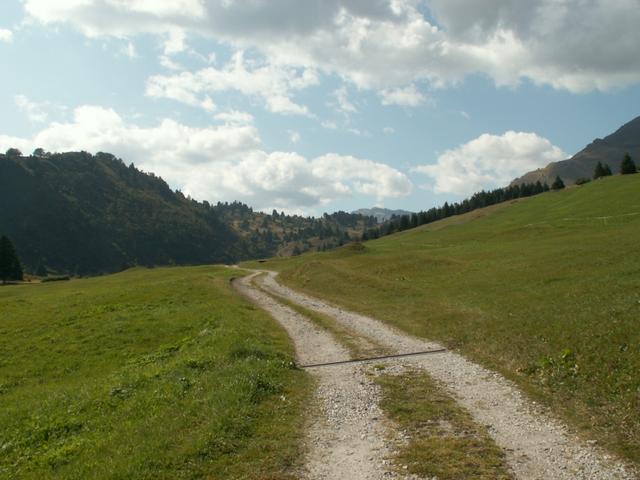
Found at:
<point>347,437</point>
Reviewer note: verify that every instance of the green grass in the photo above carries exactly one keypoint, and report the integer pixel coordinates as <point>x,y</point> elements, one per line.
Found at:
<point>545,290</point>
<point>161,373</point>
<point>445,442</point>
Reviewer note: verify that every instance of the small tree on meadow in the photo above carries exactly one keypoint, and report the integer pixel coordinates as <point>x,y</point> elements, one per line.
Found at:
<point>599,171</point>
<point>557,184</point>
<point>628,165</point>
<point>10,268</point>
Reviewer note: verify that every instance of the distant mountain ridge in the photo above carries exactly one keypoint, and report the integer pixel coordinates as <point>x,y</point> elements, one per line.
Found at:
<point>609,150</point>
<point>381,214</point>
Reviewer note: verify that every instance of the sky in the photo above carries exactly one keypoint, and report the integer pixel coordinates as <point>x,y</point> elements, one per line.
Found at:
<point>310,106</point>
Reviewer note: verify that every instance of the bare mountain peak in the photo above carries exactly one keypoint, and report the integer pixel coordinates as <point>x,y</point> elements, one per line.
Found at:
<point>609,150</point>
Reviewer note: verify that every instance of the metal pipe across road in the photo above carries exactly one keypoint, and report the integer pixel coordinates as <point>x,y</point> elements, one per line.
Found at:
<point>371,359</point>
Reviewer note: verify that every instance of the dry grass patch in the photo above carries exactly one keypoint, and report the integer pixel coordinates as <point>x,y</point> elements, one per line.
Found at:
<point>444,441</point>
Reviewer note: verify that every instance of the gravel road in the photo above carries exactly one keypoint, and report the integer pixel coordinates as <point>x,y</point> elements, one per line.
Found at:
<point>346,437</point>
<point>346,440</point>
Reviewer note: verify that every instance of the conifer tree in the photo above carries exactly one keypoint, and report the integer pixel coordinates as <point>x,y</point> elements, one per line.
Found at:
<point>557,184</point>
<point>599,171</point>
<point>41,271</point>
<point>538,187</point>
<point>628,166</point>
<point>607,170</point>
<point>10,268</point>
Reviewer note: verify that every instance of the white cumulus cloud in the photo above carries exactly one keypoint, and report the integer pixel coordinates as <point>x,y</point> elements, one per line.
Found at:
<point>489,161</point>
<point>272,84</point>
<point>575,45</point>
<point>220,162</point>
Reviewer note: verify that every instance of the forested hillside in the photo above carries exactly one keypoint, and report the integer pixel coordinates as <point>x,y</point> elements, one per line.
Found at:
<point>86,214</point>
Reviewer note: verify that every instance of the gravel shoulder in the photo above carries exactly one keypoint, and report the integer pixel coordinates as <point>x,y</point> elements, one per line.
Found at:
<point>537,445</point>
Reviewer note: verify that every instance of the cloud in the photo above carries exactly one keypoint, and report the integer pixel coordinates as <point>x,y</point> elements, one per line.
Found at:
<point>234,117</point>
<point>342,102</point>
<point>294,137</point>
<point>575,45</point>
<point>359,133</point>
<point>270,83</point>
<point>169,64</point>
<point>130,51</point>
<point>405,97</point>
<point>489,161</point>
<point>222,162</point>
<point>36,112</point>
<point>6,35</point>
<point>388,130</point>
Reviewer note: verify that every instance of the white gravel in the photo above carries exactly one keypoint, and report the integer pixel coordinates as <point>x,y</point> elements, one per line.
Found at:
<point>537,445</point>
<point>346,438</point>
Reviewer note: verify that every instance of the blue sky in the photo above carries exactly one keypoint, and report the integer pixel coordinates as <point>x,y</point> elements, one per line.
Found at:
<point>320,105</point>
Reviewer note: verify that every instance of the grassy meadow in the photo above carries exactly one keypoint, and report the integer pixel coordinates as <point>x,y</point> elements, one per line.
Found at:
<point>162,373</point>
<point>544,289</point>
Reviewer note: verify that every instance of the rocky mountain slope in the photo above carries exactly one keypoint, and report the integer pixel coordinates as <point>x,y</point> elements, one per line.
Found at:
<point>609,150</point>
<point>381,214</point>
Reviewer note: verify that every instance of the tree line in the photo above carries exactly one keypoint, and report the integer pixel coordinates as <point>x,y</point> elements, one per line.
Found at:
<point>477,200</point>
<point>485,199</point>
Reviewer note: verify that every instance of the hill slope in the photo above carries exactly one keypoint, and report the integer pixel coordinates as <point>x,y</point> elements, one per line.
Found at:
<point>84,214</point>
<point>544,289</point>
<point>97,377</point>
<point>609,150</point>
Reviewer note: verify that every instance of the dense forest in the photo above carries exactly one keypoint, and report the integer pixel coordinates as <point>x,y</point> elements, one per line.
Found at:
<point>82,214</point>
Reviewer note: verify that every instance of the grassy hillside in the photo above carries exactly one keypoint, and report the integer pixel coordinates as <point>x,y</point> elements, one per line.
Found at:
<point>544,289</point>
<point>160,373</point>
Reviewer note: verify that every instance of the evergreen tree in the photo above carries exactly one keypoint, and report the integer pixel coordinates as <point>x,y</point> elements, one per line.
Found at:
<point>41,271</point>
<point>628,166</point>
<point>557,184</point>
<point>607,170</point>
<point>599,171</point>
<point>10,268</point>
<point>405,222</point>
<point>538,188</point>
